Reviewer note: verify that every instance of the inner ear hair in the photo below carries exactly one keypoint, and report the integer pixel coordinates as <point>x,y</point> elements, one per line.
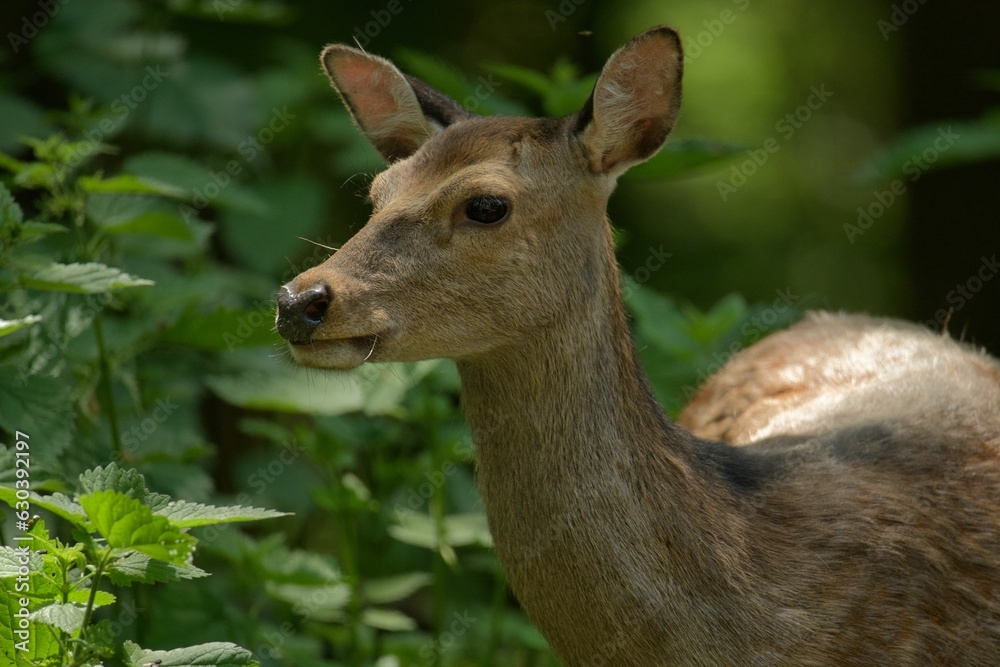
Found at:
<point>635,102</point>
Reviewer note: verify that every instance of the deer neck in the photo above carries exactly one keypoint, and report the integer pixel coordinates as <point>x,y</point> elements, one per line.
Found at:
<point>586,483</point>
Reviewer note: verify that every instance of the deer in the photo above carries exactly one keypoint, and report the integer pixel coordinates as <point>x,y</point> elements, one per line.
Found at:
<point>831,497</point>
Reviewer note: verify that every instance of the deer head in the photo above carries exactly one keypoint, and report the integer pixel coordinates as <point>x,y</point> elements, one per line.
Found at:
<point>483,229</point>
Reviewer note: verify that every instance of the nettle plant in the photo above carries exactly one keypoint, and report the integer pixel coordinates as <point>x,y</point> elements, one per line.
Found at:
<point>97,269</point>
<point>123,534</point>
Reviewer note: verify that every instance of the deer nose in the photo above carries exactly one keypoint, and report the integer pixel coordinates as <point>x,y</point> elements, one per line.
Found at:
<point>300,313</point>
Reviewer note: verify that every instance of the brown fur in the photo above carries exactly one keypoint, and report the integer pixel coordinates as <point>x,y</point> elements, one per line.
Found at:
<point>856,525</point>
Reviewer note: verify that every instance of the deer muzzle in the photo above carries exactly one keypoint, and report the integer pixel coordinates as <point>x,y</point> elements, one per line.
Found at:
<point>300,313</point>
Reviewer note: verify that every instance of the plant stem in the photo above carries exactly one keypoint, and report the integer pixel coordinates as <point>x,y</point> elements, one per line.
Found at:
<point>349,563</point>
<point>105,558</point>
<point>98,574</point>
<point>108,390</point>
<point>437,507</point>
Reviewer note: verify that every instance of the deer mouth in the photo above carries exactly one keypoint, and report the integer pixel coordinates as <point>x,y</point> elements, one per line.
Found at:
<point>342,353</point>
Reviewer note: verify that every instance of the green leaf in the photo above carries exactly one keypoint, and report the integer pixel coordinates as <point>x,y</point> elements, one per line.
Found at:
<point>42,407</point>
<point>157,224</point>
<point>32,231</point>
<point>82,595</point>
<point>562,92</point>
<point>215,653</point>
<point>469,92</point>
<point>388,619</point>
<point>88,278</point>
<point>45,586</point>
<point>134,214</point>
<point>12,560</point>
<point>290,389</point>
<point>134,567</point>
<point>14,230</point>
<point>952,143</point>
<point>20,118</point>
<point>194,182</point>
<point>456,530</point>
<point>59,504</point>
<point>681,347</point>
<point>10,326</point>
<point>320,603</point>
<point>384,386</point>
<point>157,501</point>
<point>295,566</point>
<point>42,643</point>
<point>66,617</point>
<point>36,175</point>
<point>8,474</point>
<point>659,320</point>
<point>115,478</point>
<point>126,523</point>
<point>531,79</point>
<point>223,328</point>
<point>388,590</point>
<point>73,155</point>
<point>10,211</point>
<point>725,317</point>
<point>184,514</point>
<point>56,552</point>
<point>267,240</point>
<point>10,164</point>
<point>129,184</point>
<point>102,637</point>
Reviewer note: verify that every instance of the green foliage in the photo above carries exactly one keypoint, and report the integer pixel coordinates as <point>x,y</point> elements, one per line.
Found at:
<point>125,533</point>
<point>215,653</point>
<point>939,145</point>
<point>681,347</point>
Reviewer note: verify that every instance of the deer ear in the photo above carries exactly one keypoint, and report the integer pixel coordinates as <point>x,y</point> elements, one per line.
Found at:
<point>396,112</point>
<point>634,104</point>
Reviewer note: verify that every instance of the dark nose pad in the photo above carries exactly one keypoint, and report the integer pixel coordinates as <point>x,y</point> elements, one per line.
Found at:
<point>300,314</point>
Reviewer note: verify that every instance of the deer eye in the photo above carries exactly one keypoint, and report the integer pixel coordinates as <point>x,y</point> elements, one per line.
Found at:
<point>487,210</point>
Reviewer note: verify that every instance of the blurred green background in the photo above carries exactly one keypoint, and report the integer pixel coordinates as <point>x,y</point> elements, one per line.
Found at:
<point>828,155</point>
